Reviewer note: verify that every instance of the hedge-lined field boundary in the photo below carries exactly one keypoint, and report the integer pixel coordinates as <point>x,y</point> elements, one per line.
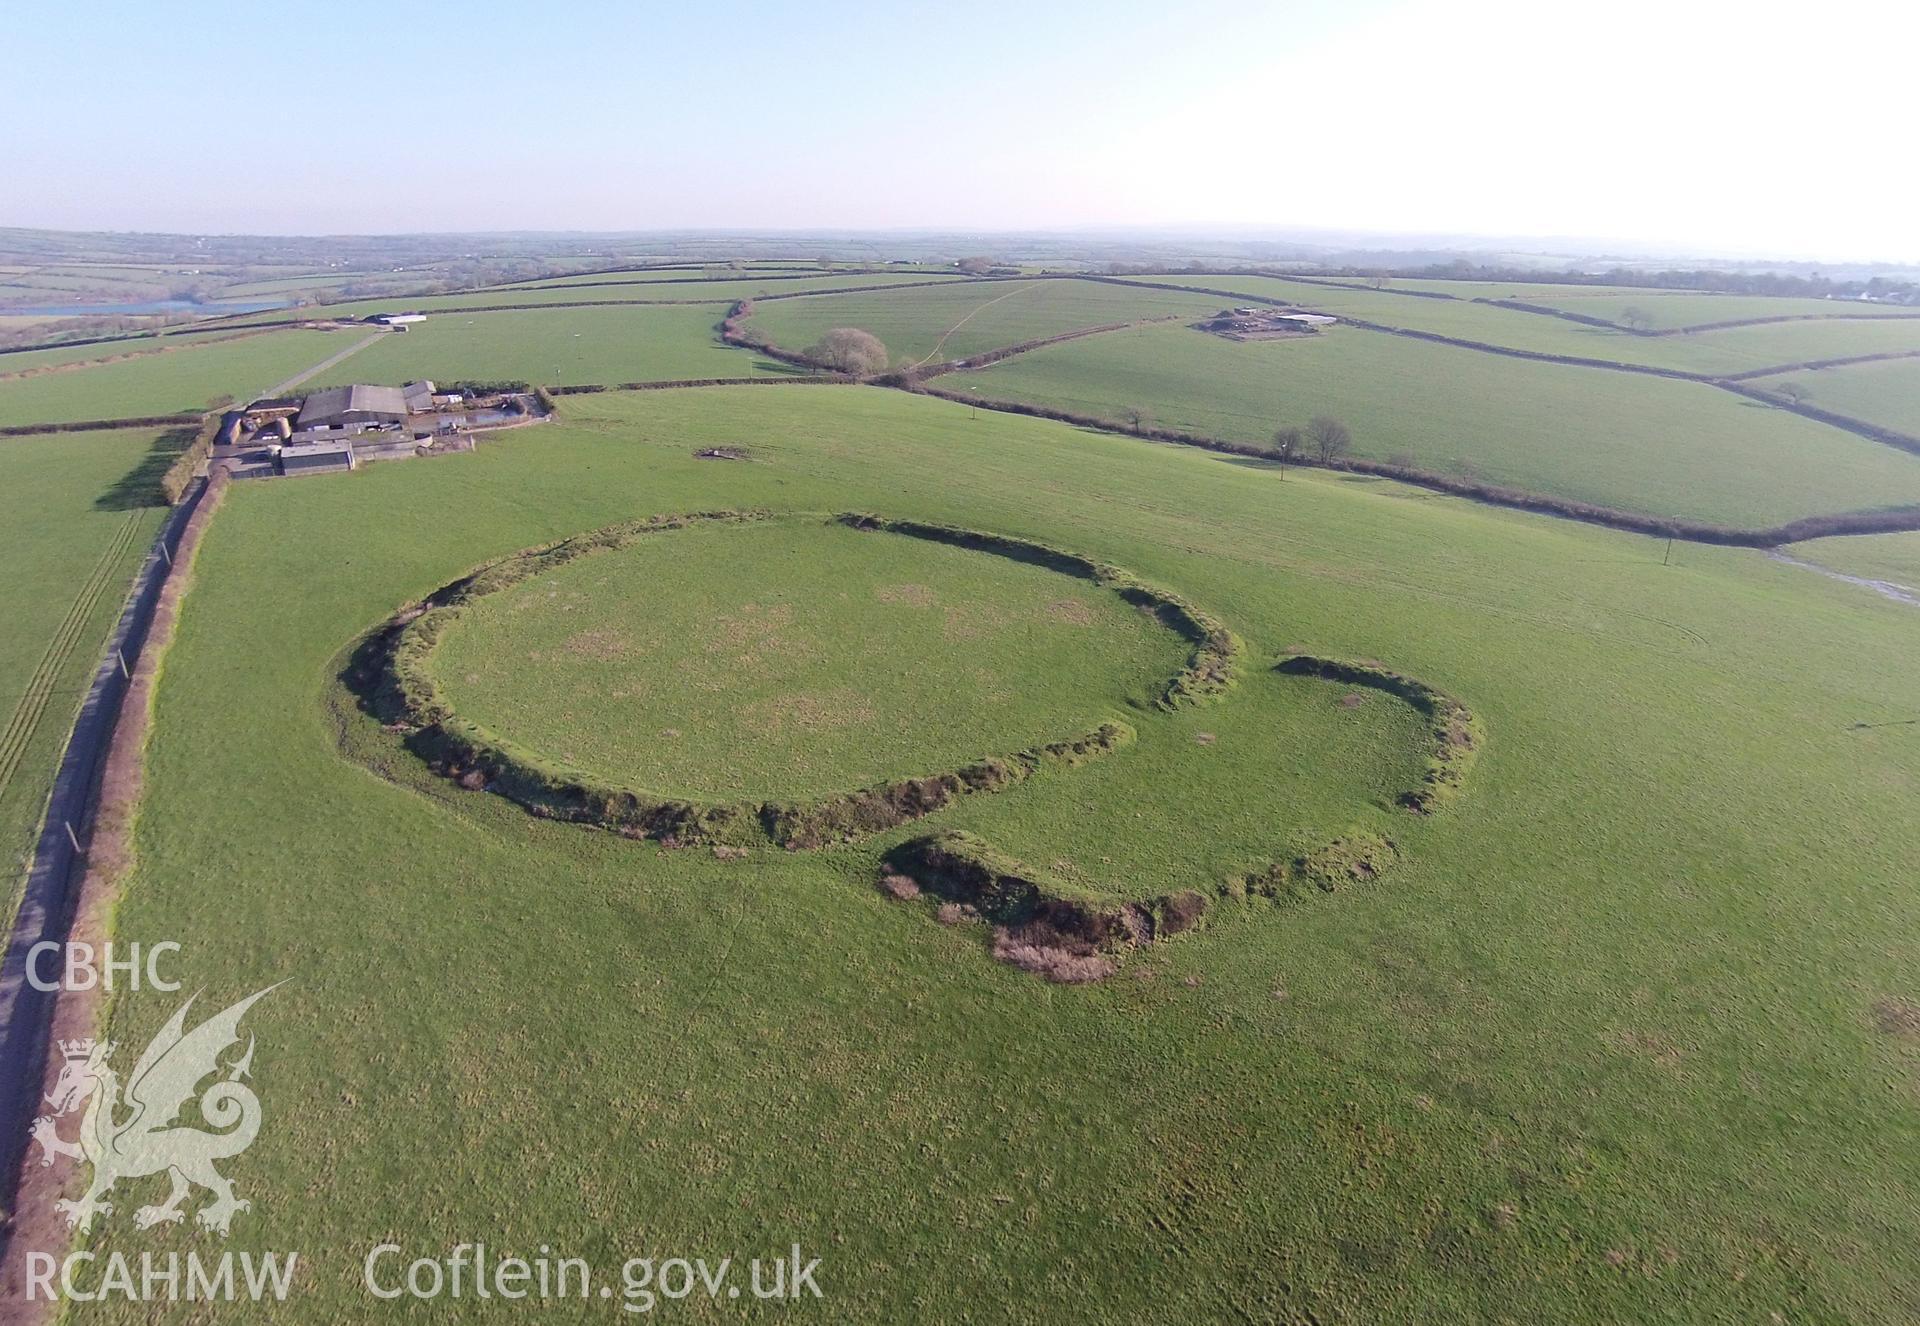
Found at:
<point>1892,520</point>
<point>102,425</point>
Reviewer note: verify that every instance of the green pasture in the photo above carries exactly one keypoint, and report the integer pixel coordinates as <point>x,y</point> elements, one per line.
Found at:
<point>119,347</point>
<point>951,321</point>
<point>1729,350</point>
<point>1624,440</point>
<point>1673,308</point>
<point>78,512</point>
<point>1618,1039</point>
<point>747,286</point>
<point>792,271</point>
<point>713,663</point>
<point>556,347</point>
<point>1886,392</point>
<point>1890,557</point>
<point>176,382</point>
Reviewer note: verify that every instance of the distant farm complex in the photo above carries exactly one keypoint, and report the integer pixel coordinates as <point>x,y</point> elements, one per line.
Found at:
<point>340,428</point>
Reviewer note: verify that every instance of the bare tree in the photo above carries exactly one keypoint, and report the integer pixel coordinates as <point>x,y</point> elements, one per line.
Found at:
<point>1288,442</point>
<point>1635,317</point>
<point>975,266</point>
<point>850,350</point>
<point>1139,418</point>
<point>1329,437</point>
<point>1793,392</point>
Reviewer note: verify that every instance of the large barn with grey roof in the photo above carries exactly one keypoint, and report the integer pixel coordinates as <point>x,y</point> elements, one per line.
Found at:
<point>339,407</point>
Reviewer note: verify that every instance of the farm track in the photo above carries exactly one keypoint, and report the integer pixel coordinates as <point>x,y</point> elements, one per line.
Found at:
<point>320,367</point>
<point>941,343</point>
<point>39,693</point>
<point>86,800</point>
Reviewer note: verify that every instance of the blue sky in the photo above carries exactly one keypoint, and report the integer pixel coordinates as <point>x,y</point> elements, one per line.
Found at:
<point>1740,127</point>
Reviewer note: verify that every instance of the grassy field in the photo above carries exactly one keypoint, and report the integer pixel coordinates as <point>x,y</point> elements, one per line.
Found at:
<point>805,272</point>
<point>557,347</point>
<point>78,512</point>
<point>738,685</point>
<point>152,384</point>
<point>1885,393</point>
<point>745,287</point>
<point>1890,557</point>
<point>1732,350</point>
<point>953,321</point>
<point>1644,444</point>
<point>1667,309</point>
<point>115,348</point>
<point>1664,308</point>
<point>1618,1039</point>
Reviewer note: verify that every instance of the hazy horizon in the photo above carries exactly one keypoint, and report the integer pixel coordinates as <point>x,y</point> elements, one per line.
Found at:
<point>1699,130</point>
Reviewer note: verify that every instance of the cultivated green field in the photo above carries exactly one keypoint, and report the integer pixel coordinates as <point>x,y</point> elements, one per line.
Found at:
<point>1620,1037</point>
<point>21,361</point>
<point>1664,308</point>
<point>557,347</point>
<point>712,663</point>
<point>1885,393</point>
<point>953,321</point>
<point>1674,308</point>
<point>172,383</point>
<point>1890,557</point>
<point>806,272</point>
<point>78,512</point>
<point>667,292</point>
<point>1729,350</point>
<point>1541,292</point>
<point>1623,440</point>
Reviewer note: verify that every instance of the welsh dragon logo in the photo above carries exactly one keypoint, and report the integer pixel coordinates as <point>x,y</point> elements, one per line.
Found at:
<point>140,1133</point>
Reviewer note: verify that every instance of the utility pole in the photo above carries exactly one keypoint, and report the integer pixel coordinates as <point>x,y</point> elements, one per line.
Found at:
<point>1668,558</point>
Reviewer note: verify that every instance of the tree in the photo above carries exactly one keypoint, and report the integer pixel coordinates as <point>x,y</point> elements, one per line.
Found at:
<point>850,350</point>
<point>1635,317</point>
<point>1329,437</point>
<point>1287,443</point>
<point>1793,391</point>
<point>975,266</point>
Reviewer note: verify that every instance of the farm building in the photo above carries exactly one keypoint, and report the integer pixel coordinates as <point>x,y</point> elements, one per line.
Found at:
<point>357,404</point>
<point>316,458</point>
<point>418,396</point>
<point>400,320</point>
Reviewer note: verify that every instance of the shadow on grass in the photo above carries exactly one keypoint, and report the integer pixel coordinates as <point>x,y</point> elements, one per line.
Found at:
<point>140,486</point>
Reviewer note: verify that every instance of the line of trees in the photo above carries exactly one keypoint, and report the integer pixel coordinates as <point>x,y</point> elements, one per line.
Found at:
<point>1322,436</point>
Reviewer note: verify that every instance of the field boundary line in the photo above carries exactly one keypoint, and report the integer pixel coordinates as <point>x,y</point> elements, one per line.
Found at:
<point>45,370</point>
<point>1815,365</point>
<point>38,695</point>
<point>69,893</point>
<point>101,425</point>
<point>709,301</point>
<point>1892,520</point>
